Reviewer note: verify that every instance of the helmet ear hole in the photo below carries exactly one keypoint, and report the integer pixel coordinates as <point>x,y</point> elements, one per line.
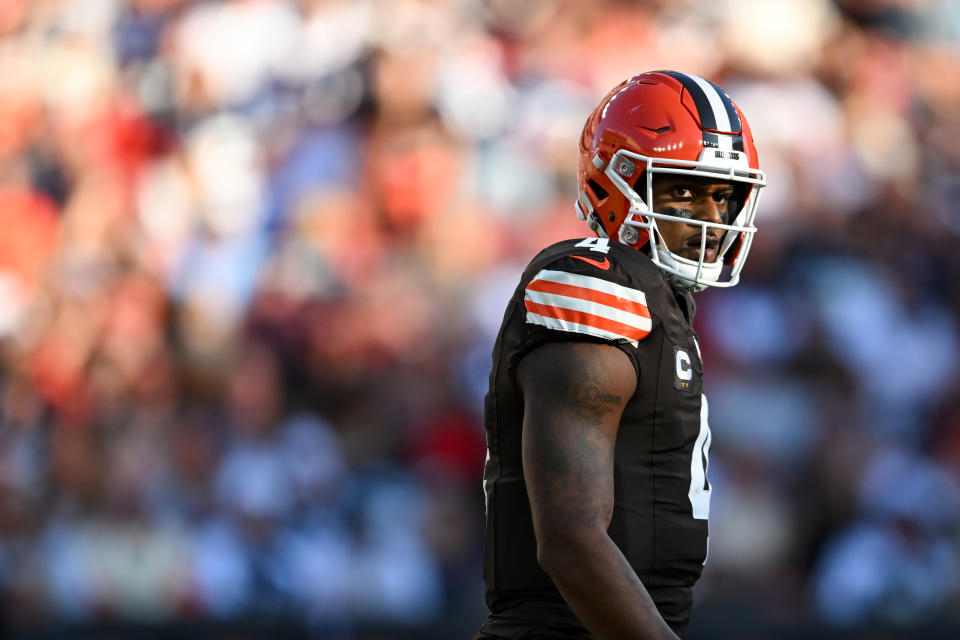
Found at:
<point>599,192</point>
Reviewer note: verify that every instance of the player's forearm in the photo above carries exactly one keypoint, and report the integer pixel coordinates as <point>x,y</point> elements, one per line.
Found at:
<point>603,590</point>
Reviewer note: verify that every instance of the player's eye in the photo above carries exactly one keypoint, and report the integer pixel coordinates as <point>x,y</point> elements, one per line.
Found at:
<point>681,192</point>
<point>721,197</point>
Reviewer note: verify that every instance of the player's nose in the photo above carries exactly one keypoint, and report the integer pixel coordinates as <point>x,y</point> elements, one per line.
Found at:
<point>709,210</point>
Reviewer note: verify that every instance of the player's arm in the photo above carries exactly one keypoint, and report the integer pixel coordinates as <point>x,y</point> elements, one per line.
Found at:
<point>574,395</point>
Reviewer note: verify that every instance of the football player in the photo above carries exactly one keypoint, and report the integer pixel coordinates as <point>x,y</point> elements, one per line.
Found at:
<point>597,495</point>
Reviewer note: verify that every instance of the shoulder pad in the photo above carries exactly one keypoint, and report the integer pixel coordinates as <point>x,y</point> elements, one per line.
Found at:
<point>563,300</point>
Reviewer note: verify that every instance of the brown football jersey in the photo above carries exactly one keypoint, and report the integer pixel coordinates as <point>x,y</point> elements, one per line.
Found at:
<point>602,291</point>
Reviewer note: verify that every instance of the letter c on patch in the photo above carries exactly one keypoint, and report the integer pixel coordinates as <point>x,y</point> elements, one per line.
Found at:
<point>684,370</point>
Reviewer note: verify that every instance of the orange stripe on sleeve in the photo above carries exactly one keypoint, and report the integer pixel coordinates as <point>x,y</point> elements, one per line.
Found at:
<point>587,319</point>
<point>584,293</point>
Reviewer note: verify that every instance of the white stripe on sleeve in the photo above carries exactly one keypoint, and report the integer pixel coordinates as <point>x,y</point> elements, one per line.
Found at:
<point>574,327</point>
<point>589,282</point>
<point>591,307</point>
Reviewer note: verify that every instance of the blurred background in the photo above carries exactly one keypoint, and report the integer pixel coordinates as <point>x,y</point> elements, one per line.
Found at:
<point>254,255</point>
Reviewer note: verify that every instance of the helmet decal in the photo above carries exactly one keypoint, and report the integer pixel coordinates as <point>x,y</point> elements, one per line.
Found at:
<point>715,111</point>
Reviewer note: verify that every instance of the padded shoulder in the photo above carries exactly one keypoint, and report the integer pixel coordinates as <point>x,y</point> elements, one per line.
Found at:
<point>591,287</point>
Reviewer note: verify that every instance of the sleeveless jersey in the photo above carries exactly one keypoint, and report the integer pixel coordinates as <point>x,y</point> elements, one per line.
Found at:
<point>602,291</point>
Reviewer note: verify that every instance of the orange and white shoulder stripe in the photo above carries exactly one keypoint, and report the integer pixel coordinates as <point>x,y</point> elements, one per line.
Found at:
<point>584,304</point>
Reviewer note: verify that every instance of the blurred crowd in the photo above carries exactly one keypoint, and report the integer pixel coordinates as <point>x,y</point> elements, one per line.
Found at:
<point>254,255</point>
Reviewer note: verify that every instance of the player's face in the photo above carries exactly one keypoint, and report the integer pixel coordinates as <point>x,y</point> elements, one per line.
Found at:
<point>691,197</point>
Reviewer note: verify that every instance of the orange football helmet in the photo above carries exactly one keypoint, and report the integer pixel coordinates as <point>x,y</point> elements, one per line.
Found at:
<point>677,123</point>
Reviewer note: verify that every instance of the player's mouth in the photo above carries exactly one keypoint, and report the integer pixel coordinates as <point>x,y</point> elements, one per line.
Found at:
<point>691,250</point>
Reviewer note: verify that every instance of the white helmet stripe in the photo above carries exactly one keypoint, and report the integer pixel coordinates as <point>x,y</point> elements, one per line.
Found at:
<point>715,109</point>
<point>720,116</point>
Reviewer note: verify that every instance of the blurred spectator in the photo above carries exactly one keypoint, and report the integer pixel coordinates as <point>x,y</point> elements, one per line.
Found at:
<point>899,565</point>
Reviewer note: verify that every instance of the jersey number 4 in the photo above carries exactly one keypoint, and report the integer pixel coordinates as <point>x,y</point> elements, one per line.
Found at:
<point>699,485</point>
<point>601,245</point>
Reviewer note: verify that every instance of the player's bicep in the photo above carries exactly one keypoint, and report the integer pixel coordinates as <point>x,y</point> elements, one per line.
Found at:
<point>574,396</point>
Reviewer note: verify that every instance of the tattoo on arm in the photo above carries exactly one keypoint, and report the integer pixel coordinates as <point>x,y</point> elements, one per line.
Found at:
<point>574,397</point>
<point>594,403</point>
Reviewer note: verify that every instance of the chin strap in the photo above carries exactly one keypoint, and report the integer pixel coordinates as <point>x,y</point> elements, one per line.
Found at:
<point>682,285</point>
